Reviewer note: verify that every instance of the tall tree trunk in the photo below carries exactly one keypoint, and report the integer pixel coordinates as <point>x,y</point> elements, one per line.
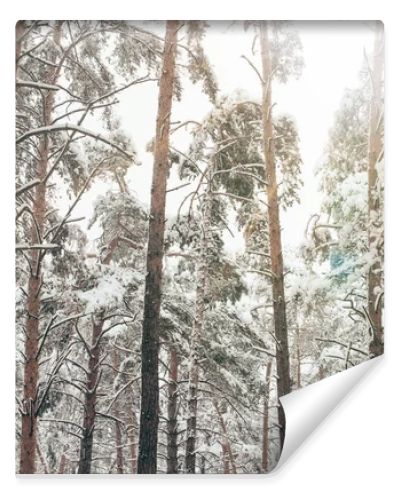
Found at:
<point>131,439</point>
<point>265,443</point>
<point>225,458</point>
<point>33,303</point>
<point>228,458</point>
<point>374,202</point>
<point>172,425</point>
<point>298,347</point>
<point>63,463</point>
<point>202,464</point>
<point>89,419</point>
<point>147,462</point>
<point>198,328</point>
<point>278,289</point>
<point>118,446</point>
<point>86,449</point>
<point>298,363</point>
<point>118,434</point>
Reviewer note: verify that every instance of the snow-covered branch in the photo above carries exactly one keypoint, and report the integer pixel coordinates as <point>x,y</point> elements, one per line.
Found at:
<point>36,85</point>
<point>44,246</point>
<point>62,127</point>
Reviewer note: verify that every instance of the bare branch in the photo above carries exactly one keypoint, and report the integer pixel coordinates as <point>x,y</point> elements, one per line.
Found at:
<point>342,344</point>
<point>178,187</point>
<point>36,85</point>
<point>254,68</point>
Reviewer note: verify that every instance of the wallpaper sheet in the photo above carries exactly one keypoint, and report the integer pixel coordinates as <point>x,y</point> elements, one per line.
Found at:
<point>199,239</point>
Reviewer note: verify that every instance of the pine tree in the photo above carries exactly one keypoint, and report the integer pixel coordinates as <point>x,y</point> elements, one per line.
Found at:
<point>169,82</point>
<point>275,243</point>
<point>349,230</point>
<point>375,198</point>
<point>147,462</point>
<point>31,368</point>
<point>42,150</point>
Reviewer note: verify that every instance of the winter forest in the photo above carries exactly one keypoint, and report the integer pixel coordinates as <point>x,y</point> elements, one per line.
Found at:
<point>199,231</point>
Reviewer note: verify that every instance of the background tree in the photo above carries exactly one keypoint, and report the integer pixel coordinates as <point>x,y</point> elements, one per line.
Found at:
<point>56,61</point>
<point>271,67</point>
<point>169,83</point>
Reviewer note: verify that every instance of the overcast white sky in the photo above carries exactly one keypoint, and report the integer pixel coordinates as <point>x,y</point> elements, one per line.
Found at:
<point>333,53</point>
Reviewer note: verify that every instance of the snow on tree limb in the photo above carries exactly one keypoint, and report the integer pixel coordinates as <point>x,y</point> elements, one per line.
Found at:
<point>36,85</point>
<point>69,126</point>
<point>29,185</point>
<point>43,246</point>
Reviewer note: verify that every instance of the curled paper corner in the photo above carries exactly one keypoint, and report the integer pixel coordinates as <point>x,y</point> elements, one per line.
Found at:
<point>305,409</point>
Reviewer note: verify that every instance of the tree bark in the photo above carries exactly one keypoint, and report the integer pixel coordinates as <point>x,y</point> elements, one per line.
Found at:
<point>63,464</point>
<point>118,446</point>
<point>265,442</point>
<point>118,434</point>
<point>225,458</point>
<point>131,439</point>
<point>298,365</point>
<point>202,464</point>
<point>228,458</point>
<point>89,419</point>
<point>148,439</point>
<point>298,346</point>
<point>276,258</point>
<point>172,425</point>
<point>374,202</point>
<point>33,304</point>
